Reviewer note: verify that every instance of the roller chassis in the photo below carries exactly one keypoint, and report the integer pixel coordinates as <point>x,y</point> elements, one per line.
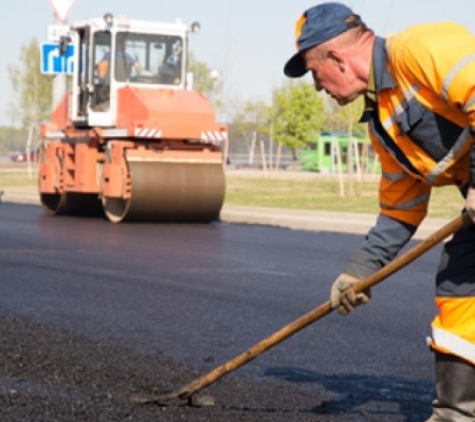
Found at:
<point>96,178</point>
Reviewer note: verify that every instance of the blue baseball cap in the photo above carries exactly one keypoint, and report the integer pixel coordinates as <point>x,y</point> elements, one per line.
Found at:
<point>318,24</point>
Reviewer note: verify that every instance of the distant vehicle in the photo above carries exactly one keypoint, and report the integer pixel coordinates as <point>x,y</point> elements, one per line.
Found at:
<point>322,153</point>
<point>21,157</point>
<point>138,144</point>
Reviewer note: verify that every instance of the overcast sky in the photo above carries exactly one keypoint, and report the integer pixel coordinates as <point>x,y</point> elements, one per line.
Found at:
<point>248,41</point>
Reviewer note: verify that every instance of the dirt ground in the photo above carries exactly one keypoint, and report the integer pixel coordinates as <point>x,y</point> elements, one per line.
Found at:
<point>50,375</point>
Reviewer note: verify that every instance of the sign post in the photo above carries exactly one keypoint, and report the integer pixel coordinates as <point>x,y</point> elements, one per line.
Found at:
<point>62,9</point>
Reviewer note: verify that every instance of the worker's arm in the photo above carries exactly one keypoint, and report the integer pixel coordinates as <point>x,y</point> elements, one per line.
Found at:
<point>381,245</point>
<point>404,203</point>
<point>137,66</point>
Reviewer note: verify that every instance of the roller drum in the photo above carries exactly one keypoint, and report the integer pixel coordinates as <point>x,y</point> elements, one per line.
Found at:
<point>170,191</point>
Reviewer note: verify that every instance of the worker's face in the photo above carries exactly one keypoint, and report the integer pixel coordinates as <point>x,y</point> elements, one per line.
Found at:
<point>332,74</point>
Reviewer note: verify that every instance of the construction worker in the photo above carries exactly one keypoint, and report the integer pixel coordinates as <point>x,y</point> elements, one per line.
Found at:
<point>419,92</point>
<point>125,62</point>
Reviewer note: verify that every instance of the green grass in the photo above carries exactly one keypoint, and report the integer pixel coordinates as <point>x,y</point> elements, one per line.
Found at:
<point>302,194</point>
<point>305,191</point>
<point>18,178</point>
<point>323,194</point>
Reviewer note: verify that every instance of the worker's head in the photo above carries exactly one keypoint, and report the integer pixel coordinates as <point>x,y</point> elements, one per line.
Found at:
<point>326,36</point>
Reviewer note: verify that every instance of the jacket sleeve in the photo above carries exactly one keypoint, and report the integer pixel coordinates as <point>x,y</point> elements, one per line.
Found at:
<point>381,245</point>
<point>403,202</point>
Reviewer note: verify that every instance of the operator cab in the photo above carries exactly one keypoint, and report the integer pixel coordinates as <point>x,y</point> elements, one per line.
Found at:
<point>112,55</point>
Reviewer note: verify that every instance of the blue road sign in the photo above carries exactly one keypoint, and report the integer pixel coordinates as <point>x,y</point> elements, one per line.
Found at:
<point>52,63</point>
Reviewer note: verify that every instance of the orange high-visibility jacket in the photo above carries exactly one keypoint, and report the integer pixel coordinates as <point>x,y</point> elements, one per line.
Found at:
<point>428,112</point>
<point>103,69</point>
<point>423,131</point>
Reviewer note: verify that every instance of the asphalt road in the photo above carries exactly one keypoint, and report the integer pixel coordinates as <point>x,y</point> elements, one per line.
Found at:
<point>194,296</point>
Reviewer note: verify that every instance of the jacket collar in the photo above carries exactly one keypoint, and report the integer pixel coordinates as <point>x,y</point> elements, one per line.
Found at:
<point>380,78</point>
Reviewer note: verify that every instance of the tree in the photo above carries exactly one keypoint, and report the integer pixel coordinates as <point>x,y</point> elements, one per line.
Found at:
<point>206,80</point>
<point>32,89</point>
<point>299,114</point>
<point>348,116</point>
<point>249,123</point>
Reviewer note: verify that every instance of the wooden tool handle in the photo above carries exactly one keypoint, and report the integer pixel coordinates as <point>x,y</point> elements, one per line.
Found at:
<point>314,315</point>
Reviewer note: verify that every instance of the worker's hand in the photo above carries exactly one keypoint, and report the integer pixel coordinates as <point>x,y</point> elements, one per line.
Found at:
<point>344,298</point>
<point>470,203</point>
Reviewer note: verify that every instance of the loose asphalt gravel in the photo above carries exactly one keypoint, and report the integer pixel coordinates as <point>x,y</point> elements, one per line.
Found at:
<point>52,375</point>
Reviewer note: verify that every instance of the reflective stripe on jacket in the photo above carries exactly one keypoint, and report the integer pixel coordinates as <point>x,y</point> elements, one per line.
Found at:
<point>425,115</point>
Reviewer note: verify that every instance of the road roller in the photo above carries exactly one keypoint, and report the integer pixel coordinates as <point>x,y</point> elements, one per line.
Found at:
<point>132,140</point>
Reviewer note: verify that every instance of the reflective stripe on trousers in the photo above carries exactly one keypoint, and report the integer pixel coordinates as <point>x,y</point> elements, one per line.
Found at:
<point>453,329</point>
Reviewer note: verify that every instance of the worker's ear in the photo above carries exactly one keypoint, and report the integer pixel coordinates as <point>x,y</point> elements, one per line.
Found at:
<point>337,59</point>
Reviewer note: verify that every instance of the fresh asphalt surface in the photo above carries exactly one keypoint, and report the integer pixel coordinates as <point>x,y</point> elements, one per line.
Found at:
<point>201,294</point>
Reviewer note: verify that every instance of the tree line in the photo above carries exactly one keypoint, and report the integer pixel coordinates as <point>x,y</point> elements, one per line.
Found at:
<point>294,116</point>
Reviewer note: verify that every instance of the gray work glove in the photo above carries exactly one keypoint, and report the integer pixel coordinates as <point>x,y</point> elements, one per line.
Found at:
<point>344,298</point>
<point>470,203</point>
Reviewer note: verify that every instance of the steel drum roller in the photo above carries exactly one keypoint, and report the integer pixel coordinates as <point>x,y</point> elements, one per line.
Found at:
<point>170,191</point>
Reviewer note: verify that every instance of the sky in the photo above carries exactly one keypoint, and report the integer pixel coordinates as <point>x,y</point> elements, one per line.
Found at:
<point>247,41</point>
